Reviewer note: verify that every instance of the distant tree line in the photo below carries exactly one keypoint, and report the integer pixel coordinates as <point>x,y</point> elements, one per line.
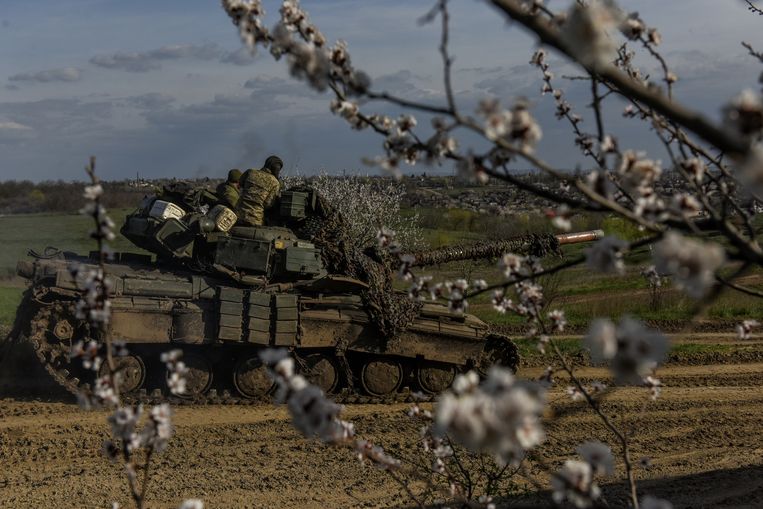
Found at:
<point>25,197</point>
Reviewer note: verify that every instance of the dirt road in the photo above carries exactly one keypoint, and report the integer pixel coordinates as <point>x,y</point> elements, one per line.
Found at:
<point>703,438</point>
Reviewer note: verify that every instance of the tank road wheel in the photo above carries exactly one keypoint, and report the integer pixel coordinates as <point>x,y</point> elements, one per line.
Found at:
<point>131,370</point>
<point>322,371</point>
<point>63,330</point>
<point>251,378</point>
<point>381,377</point>
<point>434,377</point>
<point>198,377</point>
<point>499,350</point>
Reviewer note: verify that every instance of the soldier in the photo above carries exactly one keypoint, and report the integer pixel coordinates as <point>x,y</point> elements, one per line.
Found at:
<point>228,191</point>
<point>259,189</point>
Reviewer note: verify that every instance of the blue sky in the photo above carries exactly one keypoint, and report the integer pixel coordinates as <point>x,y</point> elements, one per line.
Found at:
<point>162,88</point>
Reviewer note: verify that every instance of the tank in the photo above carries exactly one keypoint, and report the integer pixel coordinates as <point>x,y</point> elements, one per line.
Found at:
<point>221,293</point>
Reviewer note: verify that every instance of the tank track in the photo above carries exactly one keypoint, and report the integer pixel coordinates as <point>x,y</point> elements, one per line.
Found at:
<point>54,357</point>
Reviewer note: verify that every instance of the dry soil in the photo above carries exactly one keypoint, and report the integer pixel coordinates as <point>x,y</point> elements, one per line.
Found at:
<point>703,436</point>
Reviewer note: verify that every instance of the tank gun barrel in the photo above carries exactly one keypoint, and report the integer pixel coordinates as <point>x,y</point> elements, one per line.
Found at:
<point>575,238</point>
<point>534,243</point>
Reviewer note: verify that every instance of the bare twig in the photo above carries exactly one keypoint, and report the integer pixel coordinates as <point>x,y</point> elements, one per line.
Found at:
<point>752,8</point>
<point>694,121</point>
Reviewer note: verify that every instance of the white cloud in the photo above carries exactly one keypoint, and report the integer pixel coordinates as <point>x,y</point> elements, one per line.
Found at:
<point>14,126</point>
<point>151,60</point>
<point>48,76</point>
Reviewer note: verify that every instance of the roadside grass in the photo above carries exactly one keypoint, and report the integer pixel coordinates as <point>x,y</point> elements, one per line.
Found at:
<point>673,307</point>
<point>10,297</point>
<point>573,348</point>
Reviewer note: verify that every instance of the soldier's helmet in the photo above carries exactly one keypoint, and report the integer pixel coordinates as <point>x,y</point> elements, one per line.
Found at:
<point>273,164</point>
<point>234,175</point>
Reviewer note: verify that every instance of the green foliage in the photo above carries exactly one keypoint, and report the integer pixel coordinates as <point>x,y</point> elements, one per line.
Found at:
<point>36,196</point>
<point>621,228</point>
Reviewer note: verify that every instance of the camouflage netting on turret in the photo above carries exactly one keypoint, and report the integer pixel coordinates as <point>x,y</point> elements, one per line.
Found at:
<point>392,312</point>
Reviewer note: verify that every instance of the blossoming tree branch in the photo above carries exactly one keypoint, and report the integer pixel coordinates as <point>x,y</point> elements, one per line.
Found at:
<point>721,164</point>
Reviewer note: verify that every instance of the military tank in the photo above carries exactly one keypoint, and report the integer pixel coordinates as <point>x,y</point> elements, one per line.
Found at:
<point>221,293</point>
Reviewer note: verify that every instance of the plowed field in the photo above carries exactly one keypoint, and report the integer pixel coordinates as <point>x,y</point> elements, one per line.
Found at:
<point>703,437</point>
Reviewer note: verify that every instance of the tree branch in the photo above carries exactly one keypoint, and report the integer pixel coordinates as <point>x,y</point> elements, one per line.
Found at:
<point>692,120</point>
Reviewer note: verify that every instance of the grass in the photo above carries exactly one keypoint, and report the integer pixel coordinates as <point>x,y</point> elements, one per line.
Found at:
<point>68,232</point>
<point>573,348</point>
<point>10,297</point>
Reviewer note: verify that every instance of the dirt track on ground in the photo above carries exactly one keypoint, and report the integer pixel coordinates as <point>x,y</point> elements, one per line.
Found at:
<point>703,436</point>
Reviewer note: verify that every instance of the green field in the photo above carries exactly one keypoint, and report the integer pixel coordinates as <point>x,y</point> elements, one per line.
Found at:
<point>20,233</point>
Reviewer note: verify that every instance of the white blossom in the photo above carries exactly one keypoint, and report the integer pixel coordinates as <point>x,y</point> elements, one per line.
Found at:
<point>420,290</point>
<point>608,144</point>
<point>501,416</point>
<point>685,205</point>
<point>511,264</point>
<point>654,37</point>
<point>312,413</point>
<point>368,451</point>
<point>176,370</point>
<point>530,298</point>
<point>744,329</point>
<point>524,128</point>
<point>695,168</point>
<point>574,483</point>
<point>650,502</point>
<point>543,340</point>
<point>93,192</point>
<point>606,255</point>
<point>575,393</point>
<point>601,184</point>
<point>639,174</point>
<point>123,421</point>
<point>587,32</point>
<point>105,391</point>
<point>598,456</point>
<point>469,171</point>
<point>465,383</point>
<point>558,320</point>
<point>561,218</point>
<point>744,114</point>
<point>639,351</point>
<point>654,385</point>
<point>192,503</point>
<point>479,284</point>
<point>500,302</point>
<point>691,264</point>
<point>601,340</point>
<point>632,26</point>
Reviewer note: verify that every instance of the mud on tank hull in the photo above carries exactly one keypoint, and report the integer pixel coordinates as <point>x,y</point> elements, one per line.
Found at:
<point>221,329</point>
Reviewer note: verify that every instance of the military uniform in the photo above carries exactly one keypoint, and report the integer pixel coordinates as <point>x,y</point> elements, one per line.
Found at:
<point>259,189</point>
<point>228,195</point>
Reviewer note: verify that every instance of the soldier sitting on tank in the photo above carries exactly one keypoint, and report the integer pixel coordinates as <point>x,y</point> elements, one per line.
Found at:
<point>259,190</point>
<point>228,191</point>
